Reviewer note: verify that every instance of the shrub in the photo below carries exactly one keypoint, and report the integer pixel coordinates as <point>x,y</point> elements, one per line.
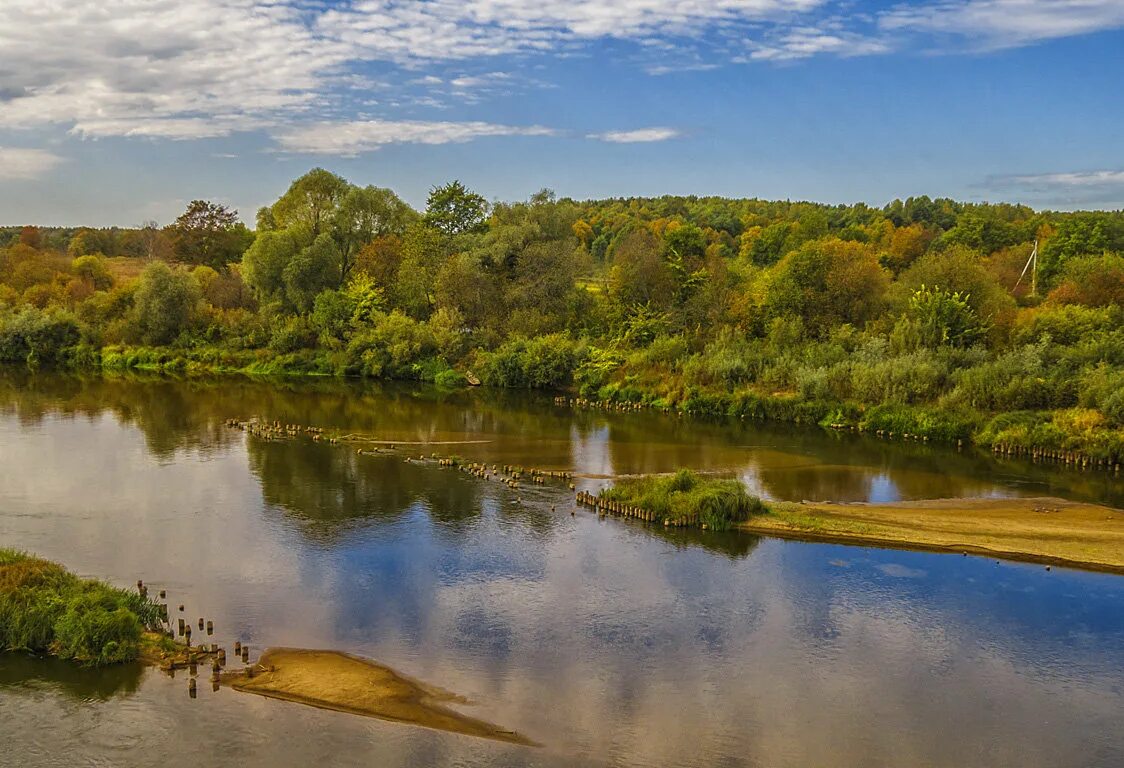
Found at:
<point>541,362</point>
<point>44,608</point>
<point>687,498</point>
<point>33,335</point>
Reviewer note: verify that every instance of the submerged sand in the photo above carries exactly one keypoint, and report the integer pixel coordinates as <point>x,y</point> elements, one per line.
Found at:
<point>339,681</point>
<point>1043,530</point>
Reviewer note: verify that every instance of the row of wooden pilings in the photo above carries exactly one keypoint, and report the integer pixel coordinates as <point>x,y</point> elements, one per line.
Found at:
<point>600,405</point>
<point>606,506</point>
<point>1070,458</point>
<point>276,430</point>
<point>190,656</point>
<point>508,473</point>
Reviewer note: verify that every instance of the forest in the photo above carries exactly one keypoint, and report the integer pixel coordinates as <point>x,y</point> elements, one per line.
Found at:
<point>919,319</point>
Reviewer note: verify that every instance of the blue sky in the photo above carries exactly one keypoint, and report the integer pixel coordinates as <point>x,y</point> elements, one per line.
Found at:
<point>121,111</point>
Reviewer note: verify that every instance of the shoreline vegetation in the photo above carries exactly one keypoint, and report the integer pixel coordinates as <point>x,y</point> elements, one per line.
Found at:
<point>45,609</point>
<point>911,321</point>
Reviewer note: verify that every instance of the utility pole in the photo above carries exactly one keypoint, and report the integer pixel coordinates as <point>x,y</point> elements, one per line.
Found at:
<point>1032,265</point>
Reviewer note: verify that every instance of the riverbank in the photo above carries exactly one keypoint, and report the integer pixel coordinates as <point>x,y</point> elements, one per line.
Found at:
<point>1075,437</point>
<point>1039,530</point>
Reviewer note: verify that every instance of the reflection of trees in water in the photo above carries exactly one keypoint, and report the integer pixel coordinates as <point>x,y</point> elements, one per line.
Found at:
<point>23,671</point>
<point>329,488</point>
<point>733,544</point>
<point>187,415</point>
<point>171,415</point>
<point>326,484</point>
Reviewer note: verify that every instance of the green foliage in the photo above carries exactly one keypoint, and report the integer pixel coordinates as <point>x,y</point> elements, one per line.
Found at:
<point>33,335</point>
<point>394,346</point>
<point>827,283</point>
<point>543,362</point>
<point>903,318</point>
<point>93,269</point>
<point>687,497</point>
<point>208,233</point>
<point>45,609</point>
<point>453,209</point>
<point>944,317</point>
<point>164,303</point>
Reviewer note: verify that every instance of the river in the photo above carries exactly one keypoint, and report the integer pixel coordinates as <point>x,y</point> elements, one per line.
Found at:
<point>607,641</point>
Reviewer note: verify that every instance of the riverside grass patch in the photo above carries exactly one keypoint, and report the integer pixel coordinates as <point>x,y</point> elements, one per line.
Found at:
<point>717,503</point>
<point>46,609</point>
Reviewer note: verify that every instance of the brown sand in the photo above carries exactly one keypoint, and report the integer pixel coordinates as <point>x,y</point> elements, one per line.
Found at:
<point>1042,530</point>
<point>333,680</point>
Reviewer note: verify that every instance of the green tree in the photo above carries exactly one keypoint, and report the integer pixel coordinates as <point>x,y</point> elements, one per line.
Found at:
<point>454,210</point>
<point>827,283</point>
<point>310,202</point>
<point>93,269</point>
<point>164,303</point>
<point>363,215</point>
<point>264,263</point>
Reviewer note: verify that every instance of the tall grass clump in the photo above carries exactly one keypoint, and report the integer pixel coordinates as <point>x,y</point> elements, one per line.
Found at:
<point>46,609</point>
<point>687,498</point>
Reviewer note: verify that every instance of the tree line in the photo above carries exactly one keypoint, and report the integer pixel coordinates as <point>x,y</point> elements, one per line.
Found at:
<point>916,318</point>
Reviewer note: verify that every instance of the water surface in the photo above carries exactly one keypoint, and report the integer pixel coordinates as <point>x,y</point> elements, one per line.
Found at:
<point>607,641</point>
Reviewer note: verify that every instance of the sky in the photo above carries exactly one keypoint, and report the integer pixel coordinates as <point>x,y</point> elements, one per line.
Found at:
<point>118,112</point>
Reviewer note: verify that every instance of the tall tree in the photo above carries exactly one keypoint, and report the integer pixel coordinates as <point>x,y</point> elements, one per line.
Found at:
<point>311,200</point>
<point>365,214</point>
<point>454,210</point>
<point>208,233</point>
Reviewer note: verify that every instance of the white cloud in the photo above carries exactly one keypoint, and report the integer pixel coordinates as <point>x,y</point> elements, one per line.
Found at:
<point>993,24</point>
<point>637,136</point>
<point>462,29</point>
<point>480,81</point>
<point>1070,179</point>
<point>206,68</point>
<point>1062,190</point>
<point>19,163</point>
<point>354,137</point>
<point>158,67</point>
<point>802,42</point>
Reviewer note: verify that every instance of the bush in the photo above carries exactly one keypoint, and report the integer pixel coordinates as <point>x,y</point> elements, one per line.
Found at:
<point>37,336</point>
<point>686,498</point>
<point>46,609</point>
<point>391,347</point>
<point>542,362</point>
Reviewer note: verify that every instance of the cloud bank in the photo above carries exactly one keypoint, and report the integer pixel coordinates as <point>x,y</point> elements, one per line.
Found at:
<point>297,69</point>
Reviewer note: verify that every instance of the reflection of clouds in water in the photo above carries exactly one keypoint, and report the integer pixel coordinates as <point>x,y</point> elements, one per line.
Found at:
<point>751,478</point>
<point>899,571</point>
<point>883,489</point>
<point>590,450</point>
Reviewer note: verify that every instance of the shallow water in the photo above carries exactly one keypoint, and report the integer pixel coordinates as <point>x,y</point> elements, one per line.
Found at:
<point>608,642</point>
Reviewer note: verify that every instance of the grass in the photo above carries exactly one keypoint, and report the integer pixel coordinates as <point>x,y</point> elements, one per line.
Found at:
<point>686,498</point>
<point>46,609</point>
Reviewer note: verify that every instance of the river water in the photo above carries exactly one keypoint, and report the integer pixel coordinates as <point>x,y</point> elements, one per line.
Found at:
<point>608,642</point>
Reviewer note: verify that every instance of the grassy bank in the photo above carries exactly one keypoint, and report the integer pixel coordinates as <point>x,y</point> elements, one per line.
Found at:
<point>1075,435</point>
<point>1042,530</point>
<point>684,499</point>
<point>46,609</point>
